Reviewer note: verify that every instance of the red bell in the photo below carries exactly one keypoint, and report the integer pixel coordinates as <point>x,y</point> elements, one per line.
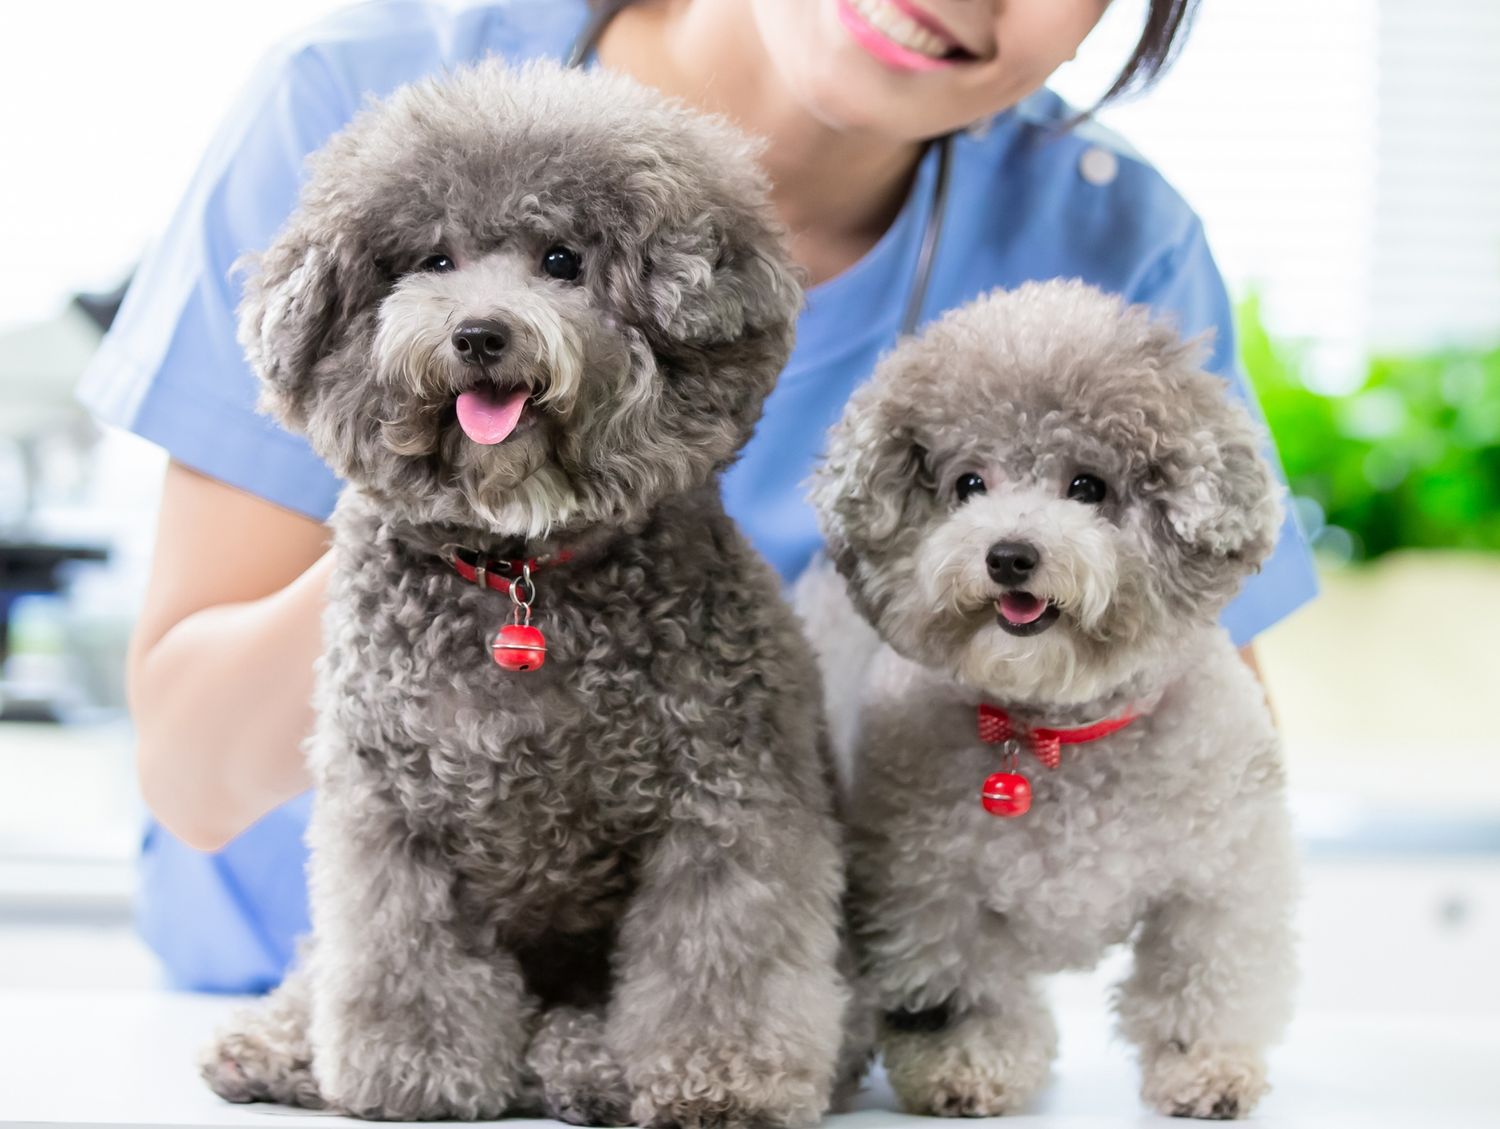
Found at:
<point>1006,794</point>
<point>519,646</point>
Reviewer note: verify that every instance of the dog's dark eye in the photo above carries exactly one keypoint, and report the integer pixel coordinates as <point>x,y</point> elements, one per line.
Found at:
<point>1088,489</point>
<point>968,485</point>
<point>438,264</point>
<point>561,263</point>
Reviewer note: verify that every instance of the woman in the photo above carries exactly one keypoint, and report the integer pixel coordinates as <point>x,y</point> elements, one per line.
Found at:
<point>891,229</point>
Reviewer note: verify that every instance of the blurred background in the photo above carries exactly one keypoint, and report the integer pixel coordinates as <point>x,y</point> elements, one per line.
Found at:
<point>1345,157</point>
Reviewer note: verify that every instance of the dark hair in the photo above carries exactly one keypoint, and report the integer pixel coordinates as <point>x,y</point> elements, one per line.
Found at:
<point>1167,25</point>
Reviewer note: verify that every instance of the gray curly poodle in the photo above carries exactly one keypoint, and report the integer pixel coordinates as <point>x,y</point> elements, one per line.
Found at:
<point>529,314</point>
<point>1041,506</point>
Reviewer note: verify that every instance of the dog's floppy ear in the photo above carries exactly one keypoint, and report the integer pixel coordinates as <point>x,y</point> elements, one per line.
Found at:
<point>288,316</point>
<point>872,485</point>
<point>720,279</point>
<point>1221,499</point>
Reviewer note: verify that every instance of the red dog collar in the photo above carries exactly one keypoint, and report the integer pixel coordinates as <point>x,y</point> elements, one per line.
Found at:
<point>996,728</point>
<point>498,574</point>
<point>1009,793</point>
<point>515,645</point>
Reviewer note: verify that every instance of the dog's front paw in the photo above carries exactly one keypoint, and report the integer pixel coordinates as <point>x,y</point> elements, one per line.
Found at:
<point>980,1066</point>
<point>263,1054</point>
<point>1219,1083</point>
<point>403,1083</point>
<point>243,1066</point>
<point>414,1096</point>
<point>577,1078</point>
<point>729,1087</point>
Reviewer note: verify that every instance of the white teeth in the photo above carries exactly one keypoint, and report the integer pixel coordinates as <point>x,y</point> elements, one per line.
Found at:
<point>900,28</point>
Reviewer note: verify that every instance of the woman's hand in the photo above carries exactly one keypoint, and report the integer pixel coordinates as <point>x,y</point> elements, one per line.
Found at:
<point>220,670</point>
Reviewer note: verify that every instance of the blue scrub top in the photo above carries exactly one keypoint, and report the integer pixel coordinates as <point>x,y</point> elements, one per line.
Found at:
<point>1028,201</point>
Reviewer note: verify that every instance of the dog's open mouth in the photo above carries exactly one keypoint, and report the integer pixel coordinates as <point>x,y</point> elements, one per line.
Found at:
<point>1021,613</point>
<point>489,413</point>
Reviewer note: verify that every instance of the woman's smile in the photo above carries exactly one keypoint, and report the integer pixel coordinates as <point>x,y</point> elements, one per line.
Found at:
<point>850,64</point>
<point>901,35</point>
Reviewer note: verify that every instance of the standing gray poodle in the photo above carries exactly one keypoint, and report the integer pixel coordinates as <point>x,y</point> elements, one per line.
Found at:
<point>1041,506</point>
<point>529,315</point>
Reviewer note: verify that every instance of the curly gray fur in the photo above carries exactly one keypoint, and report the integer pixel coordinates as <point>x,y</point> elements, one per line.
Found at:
<point>607,889</point>
<point>1171,833</point>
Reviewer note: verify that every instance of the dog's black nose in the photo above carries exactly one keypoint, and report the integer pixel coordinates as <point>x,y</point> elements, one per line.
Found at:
<point>479,342</point>
<point>1012,562</point>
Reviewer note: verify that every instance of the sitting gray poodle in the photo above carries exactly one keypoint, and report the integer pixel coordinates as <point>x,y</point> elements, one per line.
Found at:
<point>529,315</point>
<point>1041,506</point>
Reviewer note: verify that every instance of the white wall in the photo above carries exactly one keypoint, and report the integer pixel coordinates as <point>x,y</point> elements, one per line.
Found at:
<point>1267,125</point>
<point>1436,237</point>
<point>107,106</point>
<point>1345,155</point>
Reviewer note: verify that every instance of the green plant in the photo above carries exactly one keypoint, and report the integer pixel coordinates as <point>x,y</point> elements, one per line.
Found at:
<point>1410,459</point>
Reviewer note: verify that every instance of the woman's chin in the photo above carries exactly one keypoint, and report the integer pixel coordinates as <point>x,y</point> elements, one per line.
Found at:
<point>842,85</point>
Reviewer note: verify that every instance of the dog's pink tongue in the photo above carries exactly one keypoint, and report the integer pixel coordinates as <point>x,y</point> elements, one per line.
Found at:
<point>488,418</point>
<point>1021,607</point>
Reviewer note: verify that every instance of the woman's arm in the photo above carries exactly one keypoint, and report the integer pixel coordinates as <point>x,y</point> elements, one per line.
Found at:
<point>1247,652</point>
<point>220,670</point>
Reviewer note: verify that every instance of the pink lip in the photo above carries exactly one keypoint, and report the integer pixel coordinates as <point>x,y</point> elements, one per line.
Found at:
<point>927,21</point>
<point>884,50</point>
